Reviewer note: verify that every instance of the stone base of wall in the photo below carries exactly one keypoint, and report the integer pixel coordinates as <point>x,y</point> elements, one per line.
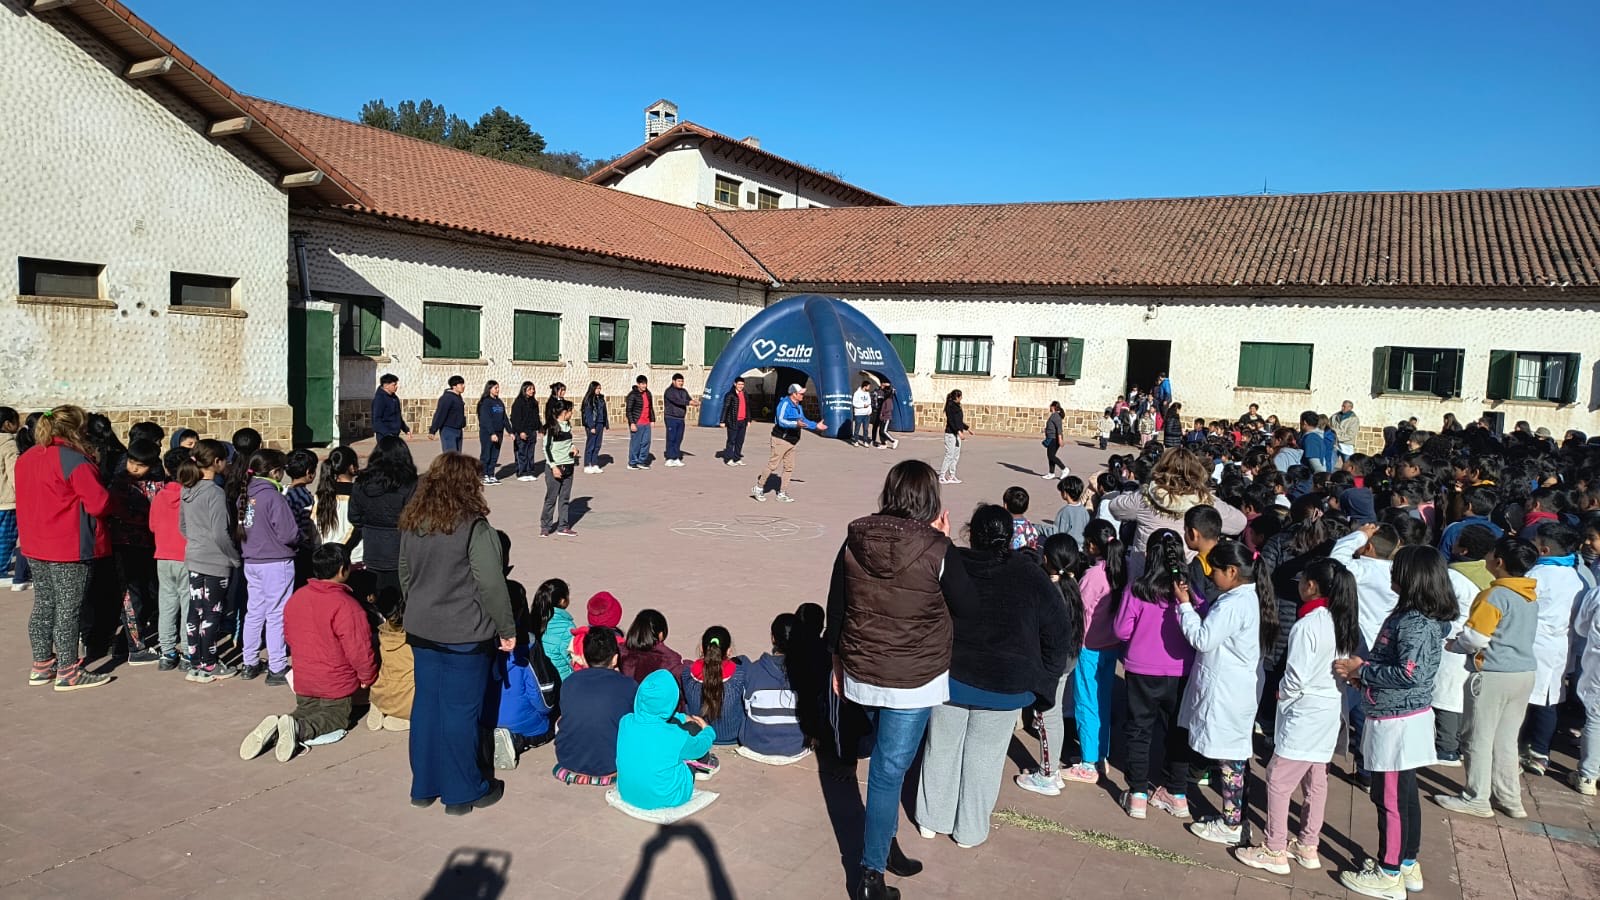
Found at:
<point>276,423</point>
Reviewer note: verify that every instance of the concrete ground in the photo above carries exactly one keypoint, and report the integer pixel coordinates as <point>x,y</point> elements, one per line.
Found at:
<point>136,789</point>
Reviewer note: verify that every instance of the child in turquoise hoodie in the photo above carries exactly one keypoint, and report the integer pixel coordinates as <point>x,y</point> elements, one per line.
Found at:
<point>655,743</point>
<point>555,595</point>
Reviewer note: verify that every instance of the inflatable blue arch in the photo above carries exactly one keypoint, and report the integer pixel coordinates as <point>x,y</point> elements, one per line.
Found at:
<point>823,337</point>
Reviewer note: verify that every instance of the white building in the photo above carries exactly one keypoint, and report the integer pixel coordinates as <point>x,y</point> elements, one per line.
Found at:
<point>691,165</point>
<point>144,218</point>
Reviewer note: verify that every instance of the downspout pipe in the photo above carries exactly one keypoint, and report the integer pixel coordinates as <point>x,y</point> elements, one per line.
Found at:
<point>302,269</point>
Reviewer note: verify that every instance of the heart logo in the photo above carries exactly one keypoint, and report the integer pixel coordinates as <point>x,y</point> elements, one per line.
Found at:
<point>850,349</point>
<point>764,348</point>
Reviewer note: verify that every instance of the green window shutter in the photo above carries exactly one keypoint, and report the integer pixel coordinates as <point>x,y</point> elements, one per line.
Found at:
<point>547,337</point>
<point>1447,373</point>
<point>1250,374</point>
<point>1502,374</point>
<point>594,339</point>
<point>1302,366</point>
<point>1380,370</point>
<point>622,340</point>
<point>433,325</point>
<point>522,335</point>
<point>674,345</point>
<point>717,340</point>
<point>1569,379</point>
<point>369,327</point>
<point>471,332</point>
<point>1072,365</point>
<point>1022,357</point>
<point>905,346</point>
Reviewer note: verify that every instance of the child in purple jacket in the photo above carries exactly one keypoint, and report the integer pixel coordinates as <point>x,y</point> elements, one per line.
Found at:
<point>268,536</point>
<point>1156,663</point>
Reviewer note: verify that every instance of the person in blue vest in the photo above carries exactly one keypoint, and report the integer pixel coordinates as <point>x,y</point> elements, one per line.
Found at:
<point>450,416</point>
<point>787,423</point>
<point>386,419</point>
<point>1316,443</point>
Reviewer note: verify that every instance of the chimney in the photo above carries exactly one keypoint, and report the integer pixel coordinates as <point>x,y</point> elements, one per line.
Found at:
<point>659,118</point>
<point>752,141</point>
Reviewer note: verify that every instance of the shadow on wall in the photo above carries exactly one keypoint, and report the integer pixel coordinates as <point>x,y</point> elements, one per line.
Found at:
<point>719,888</point>
<point>471,873</point>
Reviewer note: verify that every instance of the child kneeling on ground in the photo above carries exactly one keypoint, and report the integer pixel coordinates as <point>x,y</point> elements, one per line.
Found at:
<point>656,743</point>
<point>333,660</point>
<point>593,702</point>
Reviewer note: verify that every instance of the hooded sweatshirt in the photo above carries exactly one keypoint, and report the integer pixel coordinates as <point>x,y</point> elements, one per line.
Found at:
<point>203,519</point>
<point>164,514</point>
<point>771,719</point>
<point>270,530</point>
<point>1156,645</point>
<point>557,638</point>
<point>653,747</point>
<point>523,708</point>
<point>331,639</point>
<point>1502,626</point>
<point>396,685</point>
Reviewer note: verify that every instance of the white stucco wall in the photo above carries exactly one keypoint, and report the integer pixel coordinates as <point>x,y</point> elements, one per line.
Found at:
<point>97,169</point>
<point>408,270</point>
<point>687,175</point>
<point>1206,333</point>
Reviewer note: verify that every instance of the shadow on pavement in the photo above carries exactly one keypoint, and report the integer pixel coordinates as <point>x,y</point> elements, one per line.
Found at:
<point>471,873</point>
<point>716,875</point>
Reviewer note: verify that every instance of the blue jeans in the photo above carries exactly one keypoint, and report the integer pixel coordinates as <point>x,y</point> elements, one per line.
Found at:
<point>591,446</point>
<point>489,454</point>
<point>1092,680</point>
<point>899,735</point>
<point>674,439</point>
<point>639,446</point>
<point>860,429</point>
<point>525,453</point>
<point>450,439</point>
<point>734,451</point>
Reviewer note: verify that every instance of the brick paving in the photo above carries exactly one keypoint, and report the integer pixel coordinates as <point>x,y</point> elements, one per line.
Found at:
<point>136,790</point>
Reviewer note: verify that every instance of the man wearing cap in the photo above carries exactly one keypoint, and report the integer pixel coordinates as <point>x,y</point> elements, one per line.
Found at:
<point>787,424</point>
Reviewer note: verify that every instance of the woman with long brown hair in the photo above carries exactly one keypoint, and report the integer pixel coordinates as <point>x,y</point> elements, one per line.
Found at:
<point>458,612</point>
<point>1178,481</point>
<point>60,502</point>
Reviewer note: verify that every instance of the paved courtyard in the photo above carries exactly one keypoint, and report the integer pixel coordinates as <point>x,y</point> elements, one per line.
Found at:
<point>137,790</point>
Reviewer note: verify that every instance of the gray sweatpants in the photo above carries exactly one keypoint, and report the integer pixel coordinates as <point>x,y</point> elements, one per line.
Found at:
<point>1496,703</point>
<point>172,602</point>
<point>952,455</point>
<point>963,759</point>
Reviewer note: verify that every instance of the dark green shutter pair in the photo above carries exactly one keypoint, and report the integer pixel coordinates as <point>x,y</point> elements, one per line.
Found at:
<point>1268,365</point>
<point>450,332</point>
<point>621,340</point>
<point>905,345</point>
<point>535,336</point>
<point>1064,356</point>
<point>666,344</point>
<point>1388,366</point>
<point>1503,377</point>
<point>716,341</point>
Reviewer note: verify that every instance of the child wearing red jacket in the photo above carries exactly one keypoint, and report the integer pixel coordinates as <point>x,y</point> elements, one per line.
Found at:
<point>172,576</point>
<point>333,660</point>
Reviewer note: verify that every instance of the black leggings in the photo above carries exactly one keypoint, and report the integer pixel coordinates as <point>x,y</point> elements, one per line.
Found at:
<point>1399,817</point>
<point>1153,702</point>
<point>1052,459</point>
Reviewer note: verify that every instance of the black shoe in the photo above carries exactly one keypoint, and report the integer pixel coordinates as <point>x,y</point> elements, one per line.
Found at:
<point>873,888</point>
<point>424,803</point>
<point>278,679</point>
<point>250,673</point>
<point>900,864</point>
<point>142,657</point>
<point>497,789</point>
<point>167,663</point>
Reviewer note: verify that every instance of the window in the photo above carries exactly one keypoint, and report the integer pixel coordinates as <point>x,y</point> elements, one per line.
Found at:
<point>360,323</point>
<point>608,340</point>
<point>535,336</point>
<point>1285,366</point>
<point>727,191</point>
<point>1551,377</point>
<point>210,291</point>
<point>52,278</point>
<point>1038,357</point>
<point>666,344</point>
<point>767,200</point>
<point>450,331</point>
<point>964,355</point>
<point>905,346</point>
<point>716,341</point>
<point>1416,370</point>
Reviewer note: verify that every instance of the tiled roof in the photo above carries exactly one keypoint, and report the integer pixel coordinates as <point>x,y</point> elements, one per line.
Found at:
<point>417,181</point>
<point>1371,242</point>
<point>788,169</point>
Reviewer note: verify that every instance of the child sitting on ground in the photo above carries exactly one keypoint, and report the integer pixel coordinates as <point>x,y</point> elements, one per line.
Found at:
<point>528,685</point>
<point>555,594</point>
<point>594,700</point>
<point>654,743</point>
<point>647,648</point>
<point>713,686</point>
<point>772,715</point>
<point>1023,532</point>
<point>603,611</point>
<point>1072,518</point>
<point>396,684</point>
<point>333,660</point>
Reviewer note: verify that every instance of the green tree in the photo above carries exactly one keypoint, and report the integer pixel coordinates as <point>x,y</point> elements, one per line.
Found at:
<point>498,134</point>
<point>501,135</point>
<point>379,114</point>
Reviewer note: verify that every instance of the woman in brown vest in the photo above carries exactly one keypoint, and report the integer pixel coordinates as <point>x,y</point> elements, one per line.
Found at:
<point>895,582</point>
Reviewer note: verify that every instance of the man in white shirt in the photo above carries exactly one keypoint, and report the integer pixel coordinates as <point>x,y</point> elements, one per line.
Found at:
<point>861,406</point>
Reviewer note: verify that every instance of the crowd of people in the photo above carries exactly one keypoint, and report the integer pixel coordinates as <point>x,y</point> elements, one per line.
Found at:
<point>1435,604</point>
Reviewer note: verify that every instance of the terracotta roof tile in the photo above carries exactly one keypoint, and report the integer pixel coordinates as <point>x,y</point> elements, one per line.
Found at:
<point>1384,241</point>
<point>414,180</point>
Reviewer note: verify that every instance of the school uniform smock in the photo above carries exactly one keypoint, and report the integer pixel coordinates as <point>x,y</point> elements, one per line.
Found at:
<point>1450,686</point>
<point>1559,587</point>
<point>1310,703</point>
<point>1227,667</point>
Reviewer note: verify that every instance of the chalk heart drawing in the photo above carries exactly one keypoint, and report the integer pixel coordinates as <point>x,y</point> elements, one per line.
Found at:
<point>764,348</point>
<point>750,529</point>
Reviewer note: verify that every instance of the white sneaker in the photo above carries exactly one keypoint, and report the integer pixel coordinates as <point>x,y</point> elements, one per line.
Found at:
<point>21,585</point>
<point>927,833</point>
<point>527,478</point>
<point>785,497</point>
<point>758,495</point>
<point>738,462</point>
<point>729,462</point>
<point>1050,477</point>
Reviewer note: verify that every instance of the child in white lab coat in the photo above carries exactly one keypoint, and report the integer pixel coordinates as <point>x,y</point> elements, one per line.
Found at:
<point>1308,721</point>
<point>1228,643</point>
<point>1559,589</point>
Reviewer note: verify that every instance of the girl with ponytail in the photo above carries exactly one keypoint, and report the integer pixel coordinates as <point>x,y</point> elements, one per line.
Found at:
<point>1308,719</point>
<point>1065,565</point>
<point>332,510</point>
<point>209,554</point>
<point>268,538</point>
<point>1240,625</point>
<point>708,683</point>
<point>1100,590</point>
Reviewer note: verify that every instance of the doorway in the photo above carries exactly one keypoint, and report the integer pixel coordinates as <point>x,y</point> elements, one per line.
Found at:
<point>311,362</point>
<point>1146,360</point>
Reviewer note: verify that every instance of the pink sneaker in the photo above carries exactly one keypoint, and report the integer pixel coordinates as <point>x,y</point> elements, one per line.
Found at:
<point>1134,804</point>
<point>1082,773</point>
<point>1176,805</point>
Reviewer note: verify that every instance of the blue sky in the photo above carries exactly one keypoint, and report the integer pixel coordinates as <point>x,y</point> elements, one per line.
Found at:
<point>939,102</point>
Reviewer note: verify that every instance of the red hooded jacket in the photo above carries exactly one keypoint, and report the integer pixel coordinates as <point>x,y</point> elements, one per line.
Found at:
<point>60,502</point>
<point>164,519</point>
<point>331,639</point>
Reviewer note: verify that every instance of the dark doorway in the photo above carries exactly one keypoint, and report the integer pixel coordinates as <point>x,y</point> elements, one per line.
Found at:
<point>1146,360</point>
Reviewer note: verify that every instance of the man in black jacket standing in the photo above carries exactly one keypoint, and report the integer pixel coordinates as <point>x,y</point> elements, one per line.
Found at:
<point>386,418</point>
<point>735,418</point>
<point>677,401</point>
<point>450,416</point>
<point>641,411</point>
